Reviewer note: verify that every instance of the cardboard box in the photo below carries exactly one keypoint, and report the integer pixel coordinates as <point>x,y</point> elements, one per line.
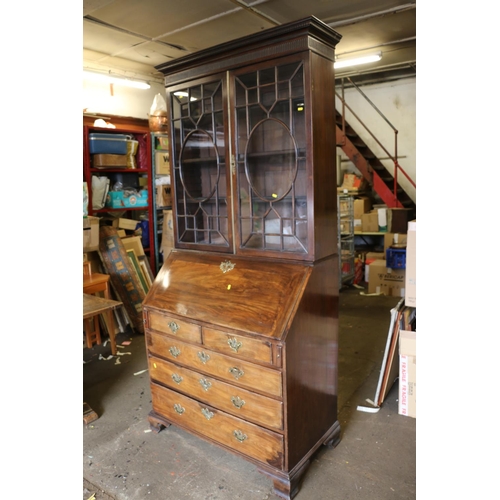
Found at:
<point>371,256</point>
<point>361,205</point>
<point>163,196</point>
<point>397,220</point>
<point>358,226</point>
<point>395,240</point>
<point>134,243</point>
<point>369,222</point>
<point>407,404</point>
<point>411,265</point>
<point>386,281</point>
<point>352,182</point>
<point>90,234</point>
<point>122,223</point>
<point>162,162</point>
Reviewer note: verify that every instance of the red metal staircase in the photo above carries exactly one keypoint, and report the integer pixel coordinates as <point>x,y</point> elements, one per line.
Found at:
<point>381,181</point>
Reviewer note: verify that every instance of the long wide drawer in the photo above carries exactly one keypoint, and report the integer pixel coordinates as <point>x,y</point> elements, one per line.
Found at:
<point>259,409</point>
<point>243,437</point>
<point>236,371</point>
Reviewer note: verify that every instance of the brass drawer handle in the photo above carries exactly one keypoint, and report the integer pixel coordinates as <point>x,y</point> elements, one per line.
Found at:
<point>240,436</point>
<point>203,357</point>
<point>208,414</point>
<point>174,351</point>
<point>234,344</point>
<point>237,401</point>
<point>236,372</point>
<point>179,409</point>
<point>173,326</point>
<point>205,383</point>
<point>177,378</point>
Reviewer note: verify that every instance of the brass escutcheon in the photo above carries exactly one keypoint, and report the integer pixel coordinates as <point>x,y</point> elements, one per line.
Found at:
<point>203,357</point>
<point>179,409</point>
<point>173,326</point>
<point>208,414</point>
<point>236,372</point>
<point>174,351</point>
<point>237,401</point>
<point>234,344</point>
<point>205,383</point>
<point>239,436</point>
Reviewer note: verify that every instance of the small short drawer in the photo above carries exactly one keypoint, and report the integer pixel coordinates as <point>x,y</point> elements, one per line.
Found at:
<point>243,437</point>
<point>237,345</point>
<point>240,402</point>
<point>173,326</point>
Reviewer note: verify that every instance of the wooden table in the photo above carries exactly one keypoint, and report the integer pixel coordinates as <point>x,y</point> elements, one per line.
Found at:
<point>92,306</point>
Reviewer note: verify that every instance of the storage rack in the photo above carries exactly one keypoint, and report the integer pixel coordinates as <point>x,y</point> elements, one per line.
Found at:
<point>346,239</point>
<point>136,177</point>
<point>159,145</point>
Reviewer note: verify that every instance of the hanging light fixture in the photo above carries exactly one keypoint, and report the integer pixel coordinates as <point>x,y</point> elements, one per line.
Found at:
<point>116,80</point>
<point>354,61</point>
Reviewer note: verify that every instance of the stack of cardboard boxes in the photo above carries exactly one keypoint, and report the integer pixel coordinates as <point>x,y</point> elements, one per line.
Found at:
<point>407,402</point>
<point>381,277</point>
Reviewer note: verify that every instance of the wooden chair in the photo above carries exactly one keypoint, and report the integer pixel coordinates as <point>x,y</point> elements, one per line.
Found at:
<point>96,283</point>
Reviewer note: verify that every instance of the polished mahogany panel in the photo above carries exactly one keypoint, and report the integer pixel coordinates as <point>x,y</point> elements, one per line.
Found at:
<point>243,294</point>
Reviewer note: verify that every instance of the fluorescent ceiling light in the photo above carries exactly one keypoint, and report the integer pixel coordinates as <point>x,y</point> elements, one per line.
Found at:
<point>116,80</point>
<point>343,63</point>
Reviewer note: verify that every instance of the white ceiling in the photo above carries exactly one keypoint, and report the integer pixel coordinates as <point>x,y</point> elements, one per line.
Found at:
<point>131,37</point>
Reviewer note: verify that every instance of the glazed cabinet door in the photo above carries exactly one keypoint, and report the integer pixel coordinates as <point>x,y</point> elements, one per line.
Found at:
<point>270,149</point>
<point>199,159</point>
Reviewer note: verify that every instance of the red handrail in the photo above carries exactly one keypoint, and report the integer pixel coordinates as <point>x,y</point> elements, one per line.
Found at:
<point>394,158</point>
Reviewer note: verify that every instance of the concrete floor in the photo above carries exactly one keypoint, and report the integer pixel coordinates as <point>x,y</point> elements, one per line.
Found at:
<point>124,460</point>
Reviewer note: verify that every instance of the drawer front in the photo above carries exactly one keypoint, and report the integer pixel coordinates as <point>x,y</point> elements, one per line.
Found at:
<point>243,437</point>
<point>235,371</point>
<point>238,346</point>
<point>230,398</point>
<point>173,326</point>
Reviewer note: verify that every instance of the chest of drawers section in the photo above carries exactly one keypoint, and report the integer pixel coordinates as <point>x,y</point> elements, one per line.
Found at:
<point>243,353</point>
<point>223,386</point>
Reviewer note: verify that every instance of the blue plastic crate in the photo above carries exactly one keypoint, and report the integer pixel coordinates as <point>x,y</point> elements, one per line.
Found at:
<point>396,258</point>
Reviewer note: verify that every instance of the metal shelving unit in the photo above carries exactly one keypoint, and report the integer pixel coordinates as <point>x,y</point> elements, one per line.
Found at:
<point>345,205</point>
<point>159,146</point>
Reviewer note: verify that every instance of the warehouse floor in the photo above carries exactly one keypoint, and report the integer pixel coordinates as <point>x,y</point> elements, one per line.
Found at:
<point>124,460</point>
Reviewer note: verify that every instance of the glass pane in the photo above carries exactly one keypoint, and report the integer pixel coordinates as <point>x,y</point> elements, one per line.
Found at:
<point>241,94</point>
<point>248,80</point>
<point>266,76</point>
<point>286,71</point>
<point>282,112</point>
<point>298,83</point>
<point>199,165</point>
<point>252,96</point>
<point>198,154</point>
<point>271,160</point>
<point>268,95</point>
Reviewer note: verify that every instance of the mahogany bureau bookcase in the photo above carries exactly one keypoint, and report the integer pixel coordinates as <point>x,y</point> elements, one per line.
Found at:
<point>241,322</point>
